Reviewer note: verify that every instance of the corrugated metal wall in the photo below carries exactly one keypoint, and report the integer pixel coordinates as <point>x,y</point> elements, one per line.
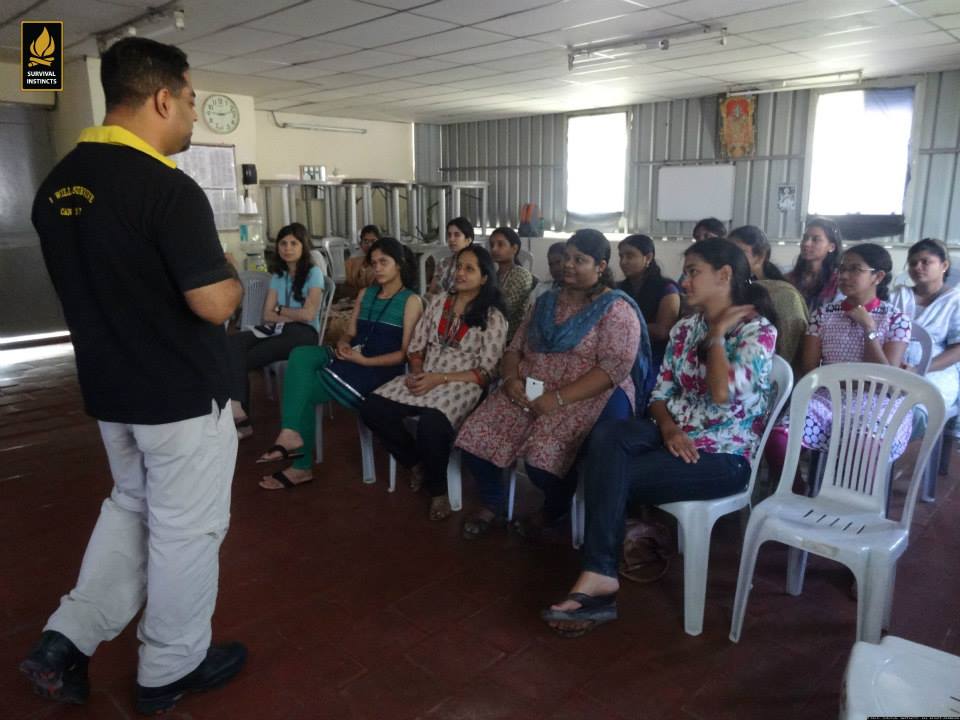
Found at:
<point>936,197</point>
<point>523,159</point>
<point>427,152</point>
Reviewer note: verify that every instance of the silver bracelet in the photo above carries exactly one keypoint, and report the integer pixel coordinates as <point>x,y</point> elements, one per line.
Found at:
<point>556,394</point>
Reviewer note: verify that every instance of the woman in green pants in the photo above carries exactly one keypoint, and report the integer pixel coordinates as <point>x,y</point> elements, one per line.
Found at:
<point>370,353</point>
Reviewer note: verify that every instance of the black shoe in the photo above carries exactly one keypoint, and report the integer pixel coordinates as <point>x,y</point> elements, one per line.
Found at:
<point>220,665</point>
<point>57,669</point>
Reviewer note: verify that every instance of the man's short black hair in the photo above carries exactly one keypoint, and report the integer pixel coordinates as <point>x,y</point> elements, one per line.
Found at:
<point>133,69</point>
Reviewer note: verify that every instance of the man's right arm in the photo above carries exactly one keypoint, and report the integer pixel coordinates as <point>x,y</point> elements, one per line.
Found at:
<point>188,240</point>
<point>217,302</point>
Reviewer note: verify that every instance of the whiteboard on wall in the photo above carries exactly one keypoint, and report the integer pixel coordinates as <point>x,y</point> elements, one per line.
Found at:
<point>694,192</point>
<point>214,167</point>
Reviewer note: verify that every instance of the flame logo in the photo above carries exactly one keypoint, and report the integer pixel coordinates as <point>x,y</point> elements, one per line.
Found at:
<point>42,49</point>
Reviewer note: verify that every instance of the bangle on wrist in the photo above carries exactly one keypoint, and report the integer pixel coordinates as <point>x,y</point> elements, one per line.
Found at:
<point>716,340</point>
<point>556,394</point>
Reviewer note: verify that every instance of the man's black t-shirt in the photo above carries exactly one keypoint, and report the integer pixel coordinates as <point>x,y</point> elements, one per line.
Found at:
<point>124,236</point>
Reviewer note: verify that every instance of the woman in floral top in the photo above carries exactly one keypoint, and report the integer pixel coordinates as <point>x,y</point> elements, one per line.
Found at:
<point>453,356</point>
<point>707,411</point>
<point>515,280</point>
<point>589,347</point>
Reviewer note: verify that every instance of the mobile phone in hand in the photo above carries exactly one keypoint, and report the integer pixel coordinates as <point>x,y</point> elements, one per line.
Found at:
<point>534,388</point>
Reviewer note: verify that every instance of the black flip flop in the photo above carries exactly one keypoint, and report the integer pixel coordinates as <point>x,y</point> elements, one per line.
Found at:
<point>594,610</point>
<point>281,477</point>
<point>285,455</point>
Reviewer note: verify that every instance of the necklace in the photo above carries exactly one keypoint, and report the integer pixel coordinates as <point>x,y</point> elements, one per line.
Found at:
<point>451,329</point>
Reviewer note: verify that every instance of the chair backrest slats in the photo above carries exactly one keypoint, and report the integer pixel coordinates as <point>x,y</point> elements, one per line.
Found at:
<point>337,250</point>
<point>781,383</point>
<point>869,404</point>
<point>255,287</point>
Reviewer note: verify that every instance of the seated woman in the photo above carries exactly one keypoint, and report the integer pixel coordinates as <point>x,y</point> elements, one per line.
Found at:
<point>582,343</point>
<point>555,259</point>
<point>358,271</point>
<point>707,413</point>
<point>369,354</point>
<point>453,356</point>
<point>863,327</point>
<point>792,313</point>
<point>459,236</point>
<point>815,273</point>
<point>291,311</point>
<point>936,308</point>
<point>657,296</point>
<point>514,279</point>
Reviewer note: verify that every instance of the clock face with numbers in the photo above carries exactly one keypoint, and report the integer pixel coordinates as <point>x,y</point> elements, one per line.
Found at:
<point>221,114</point>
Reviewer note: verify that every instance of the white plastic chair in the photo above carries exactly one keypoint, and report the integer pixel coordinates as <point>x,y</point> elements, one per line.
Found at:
<point>256,285</point>
<point>847,520</point>
<point>441,252</point>
<point>696,518</point>
<point>526,259</point>
<point>337,250</point>
<point>898,678</point>
<point>454,472</point>
<point>928,489</point>
<point>278,368</point>
<point>320,260</point>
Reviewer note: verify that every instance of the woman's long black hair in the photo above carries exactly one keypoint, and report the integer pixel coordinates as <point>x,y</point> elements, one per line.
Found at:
<point>830,262</point>
<point>475,314</point>
<point>510,235</point>
<point>595,244</point>
<point>402,256</point>
<point>650,292</point>
<point>756,239</point>
<point>743,291</point>
<point>279,267</point>
<point>877,258</point>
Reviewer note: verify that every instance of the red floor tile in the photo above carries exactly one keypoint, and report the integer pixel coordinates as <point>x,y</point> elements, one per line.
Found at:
<point>354,605</point>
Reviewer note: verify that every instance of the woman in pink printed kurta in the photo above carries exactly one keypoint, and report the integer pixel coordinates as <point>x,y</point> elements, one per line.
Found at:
<point>547,437</point>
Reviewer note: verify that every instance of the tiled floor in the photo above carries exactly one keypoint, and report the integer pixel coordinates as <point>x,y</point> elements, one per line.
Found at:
<point>354,605</point>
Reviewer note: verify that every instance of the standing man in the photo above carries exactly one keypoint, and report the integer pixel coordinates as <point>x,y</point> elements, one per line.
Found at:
<point>132,250</point>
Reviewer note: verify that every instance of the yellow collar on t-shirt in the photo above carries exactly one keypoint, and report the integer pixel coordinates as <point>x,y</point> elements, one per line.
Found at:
<point>116,135</point>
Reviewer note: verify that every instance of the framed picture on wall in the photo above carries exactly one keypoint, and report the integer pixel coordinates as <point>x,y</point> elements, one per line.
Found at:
<point>738,127</point>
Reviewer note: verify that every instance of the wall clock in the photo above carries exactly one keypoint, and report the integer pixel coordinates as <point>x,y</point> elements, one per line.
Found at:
<point>221,114</point>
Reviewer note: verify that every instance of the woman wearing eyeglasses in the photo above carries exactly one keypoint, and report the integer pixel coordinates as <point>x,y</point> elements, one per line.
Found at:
<point>863,327</point>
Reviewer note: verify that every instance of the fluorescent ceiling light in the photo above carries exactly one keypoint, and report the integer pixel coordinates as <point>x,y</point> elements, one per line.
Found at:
<point>659,40</point>
<point>315,126</point>
<point>811,82</point>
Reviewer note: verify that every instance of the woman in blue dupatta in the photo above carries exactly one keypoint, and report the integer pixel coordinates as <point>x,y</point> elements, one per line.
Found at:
<point>588,345</point>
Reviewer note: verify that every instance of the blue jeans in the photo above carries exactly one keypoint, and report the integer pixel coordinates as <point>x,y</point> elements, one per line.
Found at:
<point>627,464</point>
<point>557,491</point>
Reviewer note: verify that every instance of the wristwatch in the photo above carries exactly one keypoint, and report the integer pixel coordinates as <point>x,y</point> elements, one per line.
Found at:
<point>873,335</point>
<point>278,309</point>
